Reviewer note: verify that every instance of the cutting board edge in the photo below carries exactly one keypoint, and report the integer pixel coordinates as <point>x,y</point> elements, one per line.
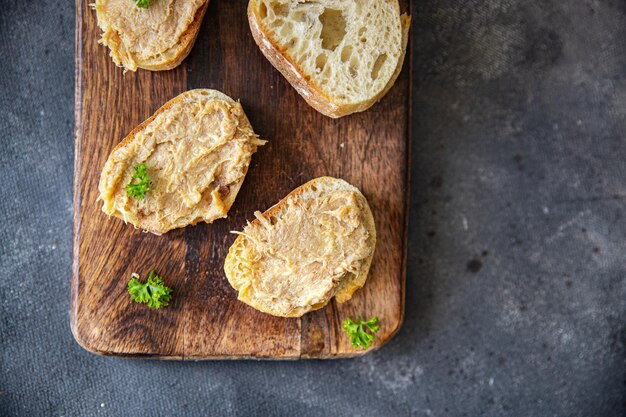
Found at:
<point>86,343</point>
<point>78,56</point>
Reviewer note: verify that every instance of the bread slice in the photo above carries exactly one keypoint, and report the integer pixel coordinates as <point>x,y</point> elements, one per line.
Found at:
<point>316,243</point>
<point>341,56</point>
<point>196,148</point>
<point>157,38</point>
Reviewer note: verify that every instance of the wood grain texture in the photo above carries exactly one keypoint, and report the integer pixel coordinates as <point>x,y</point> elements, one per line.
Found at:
<point>205,320</point>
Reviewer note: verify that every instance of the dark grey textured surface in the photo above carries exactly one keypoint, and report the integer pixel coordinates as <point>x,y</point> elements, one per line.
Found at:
<point>516,287</point>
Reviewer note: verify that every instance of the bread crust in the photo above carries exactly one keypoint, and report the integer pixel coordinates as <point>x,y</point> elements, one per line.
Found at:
<point>346,289</point>
<point>311,92</point>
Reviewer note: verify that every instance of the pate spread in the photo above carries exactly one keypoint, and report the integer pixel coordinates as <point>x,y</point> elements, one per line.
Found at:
<point>196,151</point>
<point>137,35</point>
<point>295,259</point>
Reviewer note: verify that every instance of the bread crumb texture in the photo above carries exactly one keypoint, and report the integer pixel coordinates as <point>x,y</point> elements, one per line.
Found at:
<point>316,243</point>
<point>348,48</point>
<point>197,149</point>
<point>148,37</point>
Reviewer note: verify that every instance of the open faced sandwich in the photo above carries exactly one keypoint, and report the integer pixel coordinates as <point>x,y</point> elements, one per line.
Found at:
<point>149,34</point>
<point>183,165</point>
<point>315,244</point>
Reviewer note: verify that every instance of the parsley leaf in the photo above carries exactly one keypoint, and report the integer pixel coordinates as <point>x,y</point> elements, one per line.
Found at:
<point>358,331</point>
<point>139,189</point>
<point>154,292</point>
<point>144,4</point>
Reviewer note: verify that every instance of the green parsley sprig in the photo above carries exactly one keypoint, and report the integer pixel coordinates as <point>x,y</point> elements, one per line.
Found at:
<point>358,331</point>
<point>154,292</point>
<point>139,189</point>
<point>144,4</point>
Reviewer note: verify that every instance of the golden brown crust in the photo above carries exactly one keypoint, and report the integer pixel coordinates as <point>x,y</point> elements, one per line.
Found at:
<point>346,289</point>
<point>311,92</point>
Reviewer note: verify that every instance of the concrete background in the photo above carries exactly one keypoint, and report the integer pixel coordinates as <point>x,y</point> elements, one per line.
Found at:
<point>516,289</point>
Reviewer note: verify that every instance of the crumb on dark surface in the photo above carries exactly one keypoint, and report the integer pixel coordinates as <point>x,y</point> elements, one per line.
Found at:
<point>474,265</point>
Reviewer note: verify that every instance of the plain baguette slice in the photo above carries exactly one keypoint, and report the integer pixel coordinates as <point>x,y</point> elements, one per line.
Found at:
<point>157,38</point>
<point>196,148</point>
<point>315,244</point>
<point>342,56</point>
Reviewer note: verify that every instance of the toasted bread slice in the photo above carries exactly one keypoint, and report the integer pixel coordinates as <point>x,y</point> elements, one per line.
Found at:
<point>341,56</point>
<point>196,149</point>
<point>157,38</point>
<point>316,243</point>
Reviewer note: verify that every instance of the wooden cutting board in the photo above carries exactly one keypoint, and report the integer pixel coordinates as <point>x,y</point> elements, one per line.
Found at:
<point>205,320</point>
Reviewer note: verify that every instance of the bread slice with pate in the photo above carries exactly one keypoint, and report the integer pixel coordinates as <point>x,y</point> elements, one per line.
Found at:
<point>156,38</point>
<point>316,243</point>
<point>194,153</point>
